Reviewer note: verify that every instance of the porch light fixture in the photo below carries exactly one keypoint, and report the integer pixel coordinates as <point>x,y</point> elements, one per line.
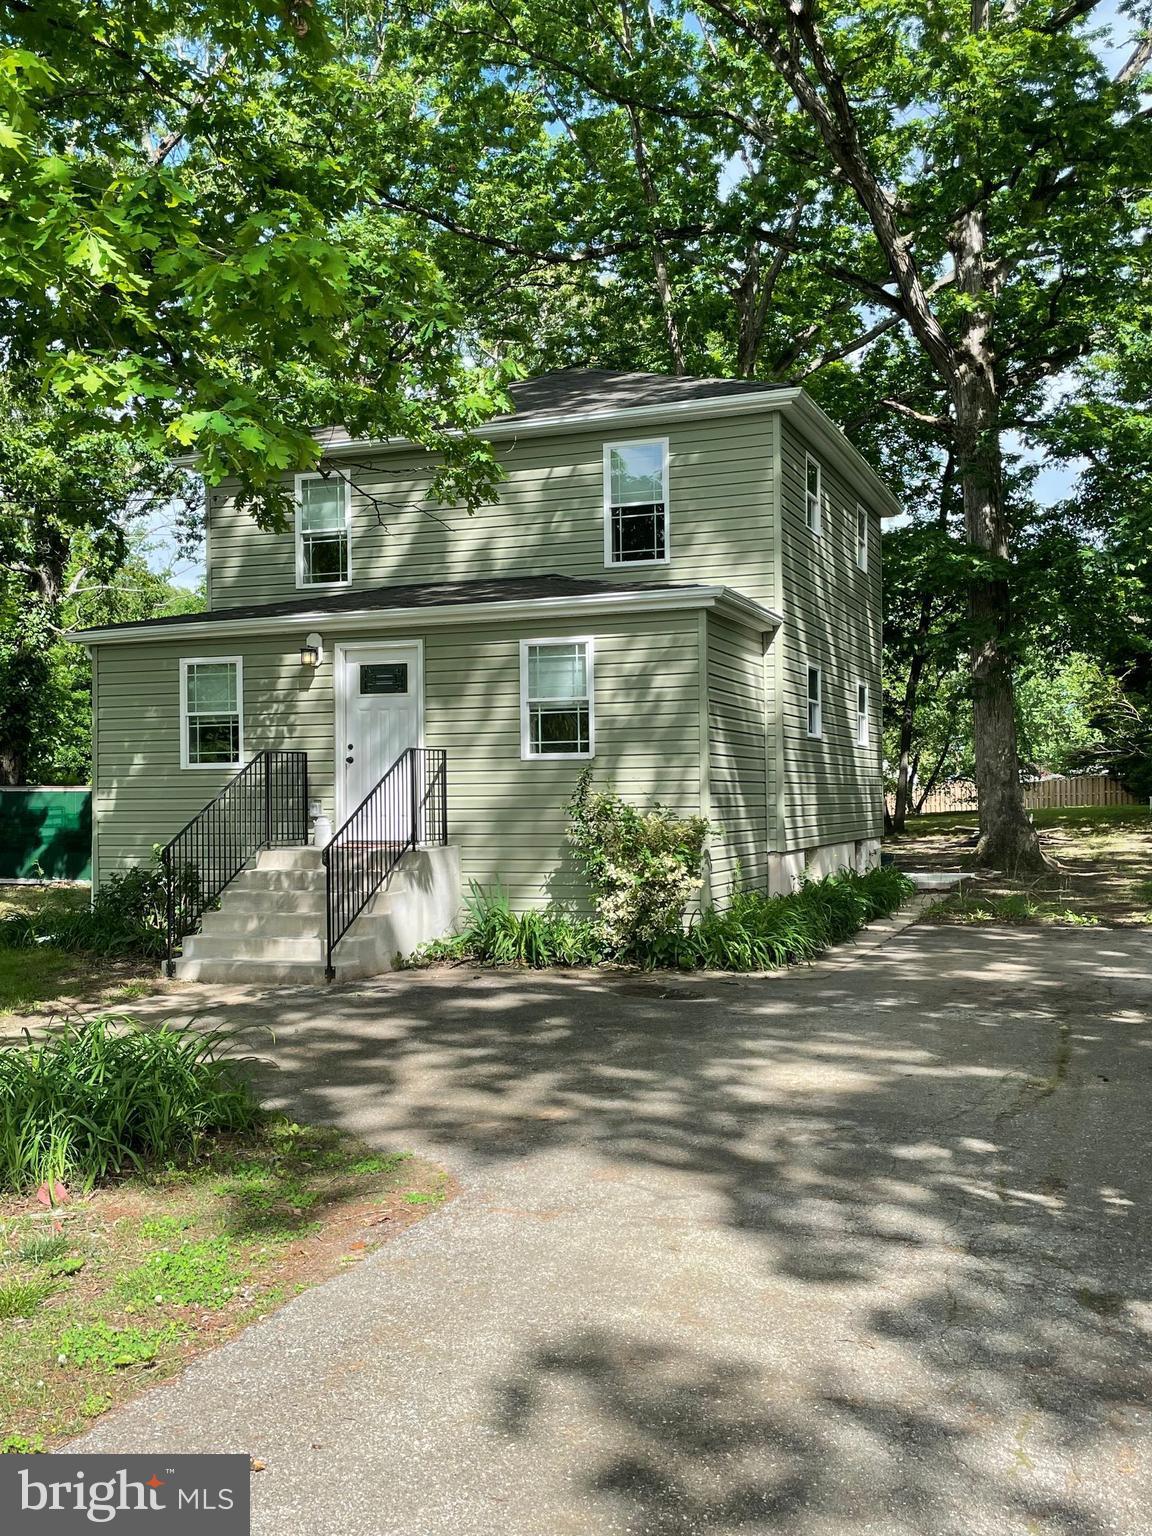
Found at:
<point>312,651</point>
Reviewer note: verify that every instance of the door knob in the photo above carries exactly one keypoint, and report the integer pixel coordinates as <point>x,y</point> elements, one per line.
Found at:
<point>348,760</point>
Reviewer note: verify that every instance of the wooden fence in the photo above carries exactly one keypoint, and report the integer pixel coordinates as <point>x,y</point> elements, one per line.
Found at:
<point>1043,795</point>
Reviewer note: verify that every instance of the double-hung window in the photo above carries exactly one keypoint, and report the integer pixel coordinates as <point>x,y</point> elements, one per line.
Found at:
<point>813,495</point>
<point>323,544</point>
<point>861,537</point>
<point>862,728</point>
<point>636,502</point>
<point>557,717</point>
<point>211,712</point>
<point>815,702</point>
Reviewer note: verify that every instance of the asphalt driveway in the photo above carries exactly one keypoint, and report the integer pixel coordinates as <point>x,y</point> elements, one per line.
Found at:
<point>856,1249</point>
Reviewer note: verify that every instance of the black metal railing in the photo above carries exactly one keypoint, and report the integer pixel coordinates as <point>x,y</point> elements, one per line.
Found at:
<point>408,807</point>
<point>264,806</point>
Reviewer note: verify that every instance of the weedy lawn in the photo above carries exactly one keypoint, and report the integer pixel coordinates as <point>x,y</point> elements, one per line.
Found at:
<point>1105,875</point>
<point>39,983</point>
<point>118,1289</point>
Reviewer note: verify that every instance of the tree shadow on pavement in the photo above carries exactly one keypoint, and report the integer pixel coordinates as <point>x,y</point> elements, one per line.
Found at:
<point>932,1163</point>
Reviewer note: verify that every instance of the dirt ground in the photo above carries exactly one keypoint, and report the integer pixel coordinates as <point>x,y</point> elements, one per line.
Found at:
<point>1105,869</point>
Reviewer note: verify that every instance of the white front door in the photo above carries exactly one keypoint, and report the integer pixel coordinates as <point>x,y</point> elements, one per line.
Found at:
<point>378,717</point>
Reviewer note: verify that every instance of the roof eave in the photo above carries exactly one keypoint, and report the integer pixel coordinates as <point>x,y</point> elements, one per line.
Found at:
<point>734,604</point>
<point>833,442</point>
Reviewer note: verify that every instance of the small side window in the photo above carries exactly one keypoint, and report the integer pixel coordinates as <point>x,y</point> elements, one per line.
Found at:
<point>861,537</point>
<point>813,495</point>
<point>861,714</point>
<point>211,712</point>
<point>636,503</point>
<point>323,542</point>
<point>556,699</point>
<point>815,702</point>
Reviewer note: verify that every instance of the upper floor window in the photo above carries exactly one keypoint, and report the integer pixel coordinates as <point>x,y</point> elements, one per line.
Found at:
<point>861,537</point>
<point>556,706</point>
<point>323,543</point>
<point>636,502</point>
<point>813,494</point>
<point>862,728</point>
<point>815,702</point>
<point>211,712</point>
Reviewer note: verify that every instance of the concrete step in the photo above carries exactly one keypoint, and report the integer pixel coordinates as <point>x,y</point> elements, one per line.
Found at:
<point>307,899</point>
<point>253,946</point>
<point>235,920</point>
<point>289,858</point>
<point>269,973</point>
<point>277,880</point>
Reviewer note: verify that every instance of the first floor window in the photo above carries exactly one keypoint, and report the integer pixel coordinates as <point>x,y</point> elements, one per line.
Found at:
<point>636,502</point>
<point>211,712</point>
<point>861,537</point>
<point>556,695</point>
<point>861,714</point>
<point>813,495</point>
<point>323,557</point>
<point>815,702</point>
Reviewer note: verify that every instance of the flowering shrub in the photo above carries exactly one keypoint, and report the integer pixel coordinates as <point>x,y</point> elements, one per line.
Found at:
<point>642,868</point>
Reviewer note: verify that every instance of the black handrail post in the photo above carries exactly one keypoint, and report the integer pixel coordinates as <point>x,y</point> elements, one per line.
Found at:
<point>329,968</point>
<point>444,800</point>
<point>414,792</point>
<point>267,756</point>
<point>170,908</point>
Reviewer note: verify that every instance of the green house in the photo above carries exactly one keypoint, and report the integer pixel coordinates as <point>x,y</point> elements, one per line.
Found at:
<point>679,585</point>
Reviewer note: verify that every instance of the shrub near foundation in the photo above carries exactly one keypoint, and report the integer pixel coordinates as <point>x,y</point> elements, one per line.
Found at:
<point>642,867</point>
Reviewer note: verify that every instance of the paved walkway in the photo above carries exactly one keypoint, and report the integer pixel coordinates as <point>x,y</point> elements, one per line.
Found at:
<point>856,1249</point>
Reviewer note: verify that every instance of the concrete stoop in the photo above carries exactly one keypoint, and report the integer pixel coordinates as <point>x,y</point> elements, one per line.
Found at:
<point>269,926</point>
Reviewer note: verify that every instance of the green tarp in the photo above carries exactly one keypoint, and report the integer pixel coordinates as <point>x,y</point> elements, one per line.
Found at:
<point>45,834</point>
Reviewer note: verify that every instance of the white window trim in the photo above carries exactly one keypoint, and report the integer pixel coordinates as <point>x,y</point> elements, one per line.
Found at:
<point>863,737</point>
<point>818,734</point>
<point>312,586</point>
<point>635,442</point>
<point>526,753</point>
<point>195,661</point>
<point>861,544</point>
<point>816,529</point>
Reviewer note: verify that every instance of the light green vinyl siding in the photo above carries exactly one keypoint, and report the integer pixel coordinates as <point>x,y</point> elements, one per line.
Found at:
<point>549,518</point>
<point>506,814</point>
<point>833,788</point>
<point>737,756</point>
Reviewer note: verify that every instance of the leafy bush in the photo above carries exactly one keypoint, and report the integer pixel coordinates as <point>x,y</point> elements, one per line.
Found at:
<point>106,1095</point>
<point>127,917</point>
<point>495,935</point>
<point>642,868</point>
<point>759,933</point>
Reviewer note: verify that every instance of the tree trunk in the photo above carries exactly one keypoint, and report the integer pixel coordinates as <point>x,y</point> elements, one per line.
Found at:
<point>902,798</point>
<point>1007,838</point>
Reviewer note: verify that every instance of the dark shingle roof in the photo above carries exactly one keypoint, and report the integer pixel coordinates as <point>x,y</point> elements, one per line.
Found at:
<point>401,596</point>
<point>569,391</point>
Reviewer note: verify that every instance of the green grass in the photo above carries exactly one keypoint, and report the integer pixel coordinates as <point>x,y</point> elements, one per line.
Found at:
<point>1086,817</point>
<point>197,1274</point>
<point>107,1095</point>
<point>108,1294</point>
<point>22,1298</point>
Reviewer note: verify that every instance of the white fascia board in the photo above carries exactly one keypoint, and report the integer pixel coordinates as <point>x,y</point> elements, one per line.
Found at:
<point>742,609</point>
<point>833,445</point>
